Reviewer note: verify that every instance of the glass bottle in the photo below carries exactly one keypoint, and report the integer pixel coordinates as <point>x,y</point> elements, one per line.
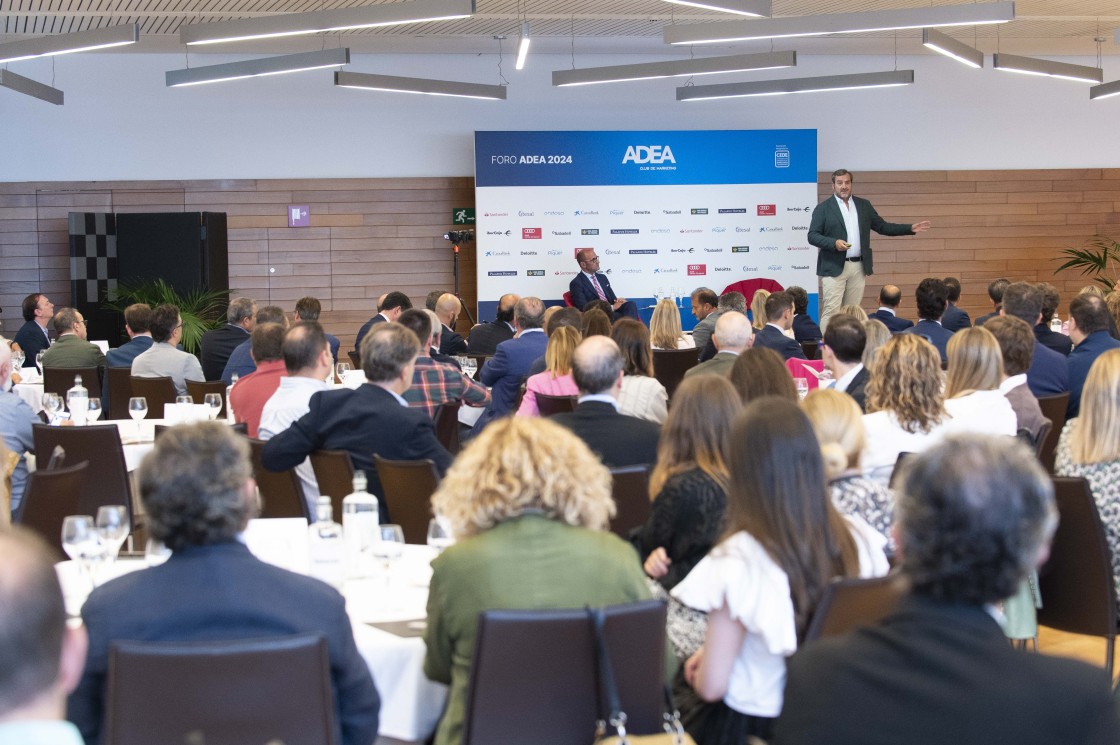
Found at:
<point>359,527</point>
<point>325,546</point>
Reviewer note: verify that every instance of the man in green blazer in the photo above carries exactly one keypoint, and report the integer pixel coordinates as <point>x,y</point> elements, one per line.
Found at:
<point>71,349</point>
<point>841,230</point>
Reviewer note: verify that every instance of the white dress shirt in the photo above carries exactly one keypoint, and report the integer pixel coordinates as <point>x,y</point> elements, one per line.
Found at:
<point>851,224</point>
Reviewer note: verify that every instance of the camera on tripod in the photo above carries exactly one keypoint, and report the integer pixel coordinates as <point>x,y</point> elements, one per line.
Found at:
<point>459,236</point>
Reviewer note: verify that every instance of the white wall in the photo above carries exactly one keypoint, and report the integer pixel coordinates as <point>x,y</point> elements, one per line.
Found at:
<point>121,122</point>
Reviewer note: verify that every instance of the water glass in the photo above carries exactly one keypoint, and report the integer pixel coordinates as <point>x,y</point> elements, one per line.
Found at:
<point>52,404</point>
<point>83,543</point>
<point>188,400</point>
<point>93,412</point>
<point>439,534</point>
<point>802,385</point>
<point>213,403</point>
<point>389,547</point>
<point>39,360</point>
<point>112,523</point>
<point>19,357</point>
<point>137,409</point>
<point>155,553</point>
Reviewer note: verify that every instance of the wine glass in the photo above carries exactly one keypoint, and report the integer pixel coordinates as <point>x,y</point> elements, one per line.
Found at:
<point>342,368</point>
<point>389,547</point>
<point>439,534</point>
<point>52,404</point>
<point>39,360</point>
<point>137,409</point>
<point>93,413</point>
<point>155,553</point>
<point>802,385</point>
<point>18,357</point>
<point>112,522</point>
<point>82,543</point>
<point>213,403</point>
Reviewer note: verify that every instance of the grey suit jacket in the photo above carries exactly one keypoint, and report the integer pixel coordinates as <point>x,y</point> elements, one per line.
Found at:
<point>704,329</point>
<point>163,360</point>
<point>718,365</point>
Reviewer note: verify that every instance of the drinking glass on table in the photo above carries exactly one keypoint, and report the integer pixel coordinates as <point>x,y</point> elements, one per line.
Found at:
<point>112,522</point>
<point>39,360</point>
<point>342,368</point>
<point>439,534</point>
<point>802,385</point>
<point>52,404</point>
<point>93,412</point>
<point>213,403</point>
<point>389,547</point>
<point>17,359</point>
<point>137,409</point>
<point>83,543</point>
<point>188,400</point>
<point>155,553</point>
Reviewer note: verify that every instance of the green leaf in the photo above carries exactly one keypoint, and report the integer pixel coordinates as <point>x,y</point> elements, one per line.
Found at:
<point>1099,259</point>
<point>201,310</point>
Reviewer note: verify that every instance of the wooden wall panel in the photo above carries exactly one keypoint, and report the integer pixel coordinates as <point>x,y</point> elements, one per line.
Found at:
<point>369,236</point>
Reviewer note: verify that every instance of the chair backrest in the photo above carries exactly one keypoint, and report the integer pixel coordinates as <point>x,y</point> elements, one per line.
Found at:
<point>535,671</point>
<point>1054,409</point>
<point>446,421</point>
<point>851,602</point>
<point>61,379</point>
<point>280,491</point>
<point>334,473</point>
<point>568,300</point>
<point>48,498</point>
<point>630,491</point>
<point>158,391</point>
<point>1043,434</point>
<point>896,472</point>
<point>1076,583</point>
<point>810,350</point>
<point>670,365</point>
<point>549,405</point>
<point>750,286</point>
<point>408,486</point>
<point>220,693</point>
<point>106,481</point>
<point>119,380</point>
<point>197,389</point>
<point>355,360</point>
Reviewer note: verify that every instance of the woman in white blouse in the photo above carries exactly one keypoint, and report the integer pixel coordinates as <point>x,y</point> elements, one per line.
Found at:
<point>642,394</point>
<point>665,327</point>
<point>761,584</point>
<point>972,395</point>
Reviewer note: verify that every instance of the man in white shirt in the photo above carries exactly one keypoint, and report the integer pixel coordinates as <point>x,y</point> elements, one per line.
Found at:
<point>844,340</point>
<point>307,358</point>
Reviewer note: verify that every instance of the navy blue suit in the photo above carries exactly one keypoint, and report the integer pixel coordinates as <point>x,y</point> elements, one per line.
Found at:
<point>123,355</point>
<point>772,338</point>
<point>223,593</point>
<point>935,332</point>
<point>334,344</point>
<point>619,440</point>
<point>217,345</point>
<point>1048,374</point>
<point>1055,340</point>
<point>805,328</point>
<point>1080,360</point>
<point>32,339</point>
<point>362,422</point>
<point>240,363</point>
<point>365,330</point>
<point>583,292</point>
<point>451,342</point>
<point>506,370</point>
<point>955,319</point>
<point>893,323</point>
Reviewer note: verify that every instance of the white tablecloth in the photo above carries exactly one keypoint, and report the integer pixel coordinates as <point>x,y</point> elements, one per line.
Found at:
<point>32,393</point>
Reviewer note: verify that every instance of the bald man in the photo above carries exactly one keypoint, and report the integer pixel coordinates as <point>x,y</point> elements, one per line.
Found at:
<point>448,308</point>
<point>590,284</point>
<point>889,298</point>
<point>485,337</point>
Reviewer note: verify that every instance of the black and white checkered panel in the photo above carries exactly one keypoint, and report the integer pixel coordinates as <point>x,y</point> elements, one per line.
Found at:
<point>93,258</point>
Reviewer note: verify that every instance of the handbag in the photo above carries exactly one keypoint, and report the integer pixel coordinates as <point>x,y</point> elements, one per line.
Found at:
<point>615,718</point>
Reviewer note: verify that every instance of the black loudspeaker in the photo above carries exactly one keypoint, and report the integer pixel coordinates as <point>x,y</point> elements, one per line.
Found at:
<point>188,250</point>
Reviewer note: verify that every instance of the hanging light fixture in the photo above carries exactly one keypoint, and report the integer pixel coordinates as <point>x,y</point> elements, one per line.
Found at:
<point>523,46</point>
<point>258,67</point>
<point>1105,90</point>
<point>950,47</point>
<point>79,41</point>
<point>397,84</point>
<point>752,8</point>
<point>849,82</point>
<point>1048,68</point>
<point>29,87</point>
<point>674,68</point>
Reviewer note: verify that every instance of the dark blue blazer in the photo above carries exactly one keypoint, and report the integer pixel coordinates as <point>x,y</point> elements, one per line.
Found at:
<point>583,292</point>
<point>1055,340</point>
<point>451,342</point>
<point>365,330</point>
<point>485,337</point>
<point>123,355</point>
<point>986,317</point>
<point>31,340</point>
<point>893,323</point>
<point>362,422</point>
<point>619,440</point>
<point>217,345</point>
<point>506,371</point>
<point>955,319</point>
<point>771,338</point>
<point>805,328</point>
<point>1048,374</point>
<point>1079,361</point>
<point>240,362</point>
<point>334,344</point>
<point>935,332</point>
<point>223,593</point>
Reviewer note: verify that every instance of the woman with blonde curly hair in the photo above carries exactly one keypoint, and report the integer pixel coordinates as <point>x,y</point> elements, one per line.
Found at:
<point>665,327</point>
<point>758,309</point>
<point>854,311</point>
<point>972,395</point>
<point>556,380</point>
<point>528,502</point>
<point>877,335</point>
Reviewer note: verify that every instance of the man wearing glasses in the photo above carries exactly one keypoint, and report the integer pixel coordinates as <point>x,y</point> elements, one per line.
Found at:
<point>591,285</point>
<point>163,359</point>
<point>71,349</point>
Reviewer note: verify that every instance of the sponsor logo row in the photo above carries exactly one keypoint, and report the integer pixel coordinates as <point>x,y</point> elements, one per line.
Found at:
<point>692,270</point>
<point>761,210</point>
<point>655,251</point>
<point>538,233</point>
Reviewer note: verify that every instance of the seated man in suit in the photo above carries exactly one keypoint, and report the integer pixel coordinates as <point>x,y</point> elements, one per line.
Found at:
<point>308,310</point>
<point>485,337</point>
<point>779,319</point>
<point>389,308</point>
<point>248,397</point>
<point>218,344</point>
<point>931,297</point>
<point>1016,345</point>
<point>1048,374</point>
<point>43,656</point>
<point>995,294</point>
<point>71,349</point>
<point>732,336</point>
<point>1089,330</point>
<point>728,301</point>
<point>939,669</point>
<point>198,493</point>
<point>705,309</point>
<point>890,296</point>
<point>163,359</point>
<point>954,319</point>
<point>842,353</point>
<point>618,439</point>
<point>1055,340</point>
<point>32,336</point>
<point>240,362</point>
<point>590,285</point>
<point>137,319</point>
<point>508,368</point>
<point>372,418</point>
<point>804,327</point>
<point>448,308</point>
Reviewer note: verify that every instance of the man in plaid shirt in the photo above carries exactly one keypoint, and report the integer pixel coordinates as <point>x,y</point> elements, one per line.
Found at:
<point>434,383</point>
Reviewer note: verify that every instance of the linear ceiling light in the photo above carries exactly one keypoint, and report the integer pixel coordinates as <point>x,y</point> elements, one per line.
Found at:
<point>523,46</point>
<point>257,67</point>
<point>796,85</point>
<point>841,23</point>
<point>396,84</point>
<point>29,87</point>
<point>1107,90</point>
<point>340,19</point>
<point>752,8</point>
<point>80,41</point>
<point>1049,68</point>
<point>950,47</point>
<point>675,68</point>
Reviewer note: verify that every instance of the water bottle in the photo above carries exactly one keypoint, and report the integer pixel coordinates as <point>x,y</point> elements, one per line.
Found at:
<point>359,527</point>
<point>77,400</point>
<point>1056,325</point>
<point>229,398</point>
<point>325,546</point>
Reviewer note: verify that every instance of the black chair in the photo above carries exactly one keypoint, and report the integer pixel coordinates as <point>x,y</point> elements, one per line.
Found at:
<point>334,473</point>
<point>61,379</point>
<point>534,672</point>
<point>446,421</point>
<point>849,603</point>
<point>48,498</point>
<point>1076,583</point>
<point>1043,434</point>
<point>106,481</point>
<point>630,491</point>
<point>355,360</point>
<point>197,390</point>
<point>280,491</point>
<point>896,472</point>
<point>407,487</point>
<point>549,405</point>
<point>1054,409</point>
<point>670,365</point>
<point>220,693</point>
<point>810,349</point>
<point>119,382</point>
<point>158,391</point>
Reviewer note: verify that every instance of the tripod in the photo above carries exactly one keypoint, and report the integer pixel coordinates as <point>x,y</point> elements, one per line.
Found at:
<point>466,309</point>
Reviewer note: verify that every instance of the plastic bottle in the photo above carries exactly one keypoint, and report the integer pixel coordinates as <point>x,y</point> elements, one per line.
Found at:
<point>229,399</point>
<point>77,400</point>
<point>1056,325</point>
<point>359,527</point>
<point>325,546</point>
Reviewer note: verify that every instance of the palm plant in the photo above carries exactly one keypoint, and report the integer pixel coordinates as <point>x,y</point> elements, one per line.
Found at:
<point>200,310</point>
<point>1099,258</point>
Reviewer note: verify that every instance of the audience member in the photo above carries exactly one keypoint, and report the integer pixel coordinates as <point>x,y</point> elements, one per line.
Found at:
<point>16,420</point>
<point>529,505</point>
<point>240,360</point>
<point>1016,344</point>
<point>995,294</point>
<point>556,380</point>
<point>1088,328</point>
<point>618,439</point>
<point>198,494</point>
<point>591,284</point>
<point>705,310</point>
<point>642,395</point>
<point>308,309</point>
<point>931,298</point>
<point>842,353</point>
<point>602,305</point>
<point>595,322</point>
<point>1055,340</point>
<point>434,341</point>
<point>389,308</point>
<point>954,319</point>
<point>372,418</point>
<point>32,336</point>
<point>1112,300</point>
<point>973,398</point>
<point>508,368</point>
<point>556,317</point>
<point>249,395</point>
<point>732,336</point>
<point>665,327</point>
<point>890,297</point>
<point>758,310</point>
<point>71,348</point>
<point>854,311</point>
<point>760,372</point>
<point>975,516</point>
<point>432,298</point>
<point>435,383</point>
<point>1094,290</point>
<point>163,359</point>
<point>485,337</point>
<point>43,655</point>
<point>784,542</point>
<point>1049,373</point>
<point>448,308</point>
<point>804,327</point>
<point>877,335</point>
<point>779,320</point>
<point>728,301</point>
<point>218,344</point>
<point>137,318</point>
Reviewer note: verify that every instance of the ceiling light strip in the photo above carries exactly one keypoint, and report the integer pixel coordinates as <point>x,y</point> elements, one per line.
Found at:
<point>257,67</point>
<point>80,41</point>
<point>841,23</point>
<point>674,68</point>
<point>339,19</point>
<point>1049,68</point>
<point>396,84</point>
<point>752,8</point>
<point>523,47</point>
<point>29,87</point>
<point>1106,90</point>
<point>950,47</point>
<point>796,85</point>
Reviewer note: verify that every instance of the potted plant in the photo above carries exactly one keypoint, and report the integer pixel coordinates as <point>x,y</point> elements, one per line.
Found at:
<point>1098,258</point>
<point>201,310</point>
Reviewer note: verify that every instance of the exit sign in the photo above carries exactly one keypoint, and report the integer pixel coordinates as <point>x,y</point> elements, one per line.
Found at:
<point>462,216</point>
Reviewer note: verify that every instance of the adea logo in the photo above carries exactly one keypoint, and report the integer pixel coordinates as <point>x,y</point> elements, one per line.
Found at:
<point>655,154</point>
<point>696,270</point>
<point>531,234</point>
<point>767,210</point>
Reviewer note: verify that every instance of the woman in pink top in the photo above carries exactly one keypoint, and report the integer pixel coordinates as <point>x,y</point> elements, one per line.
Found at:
<point>556,380</point>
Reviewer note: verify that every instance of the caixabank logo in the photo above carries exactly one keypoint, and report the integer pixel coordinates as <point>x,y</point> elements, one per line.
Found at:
<point>767,210</point>
<point>528,234</point>
<point>497,253</point>
<point>697,270</point>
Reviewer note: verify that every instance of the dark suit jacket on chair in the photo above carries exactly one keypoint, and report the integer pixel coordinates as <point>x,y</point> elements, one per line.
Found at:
<point>485,337</point>
<point>771,337</point>
<point>1055,340</point>
<point>583,292</point>
<point>451,342</point>
<point>618,439</point>
<point>955,319</point>
<point>1049,373</point>
<point>506,371</point>
<point>217,345</point>
<point>123,355</point>
<point>32,339</point>
<point>827,226</point>
<point>805,328</point>
<point>937,334</point>
<point>1080,360</point>
<point>893,323</point>
<point>365,330</point>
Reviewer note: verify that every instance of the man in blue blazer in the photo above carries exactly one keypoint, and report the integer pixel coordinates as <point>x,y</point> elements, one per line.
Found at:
<point>890,296</point>
<point>198,494</point>
<point>931,298</point>
<point>590,285</point>
<point>779,319</point>
<point>1088,327</point>
<point>1048,374</point>
<point>804,327</point>
<point>954,319</point>
<point>508,368</point>
<point>136,319</point>
<point>841,230</point>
